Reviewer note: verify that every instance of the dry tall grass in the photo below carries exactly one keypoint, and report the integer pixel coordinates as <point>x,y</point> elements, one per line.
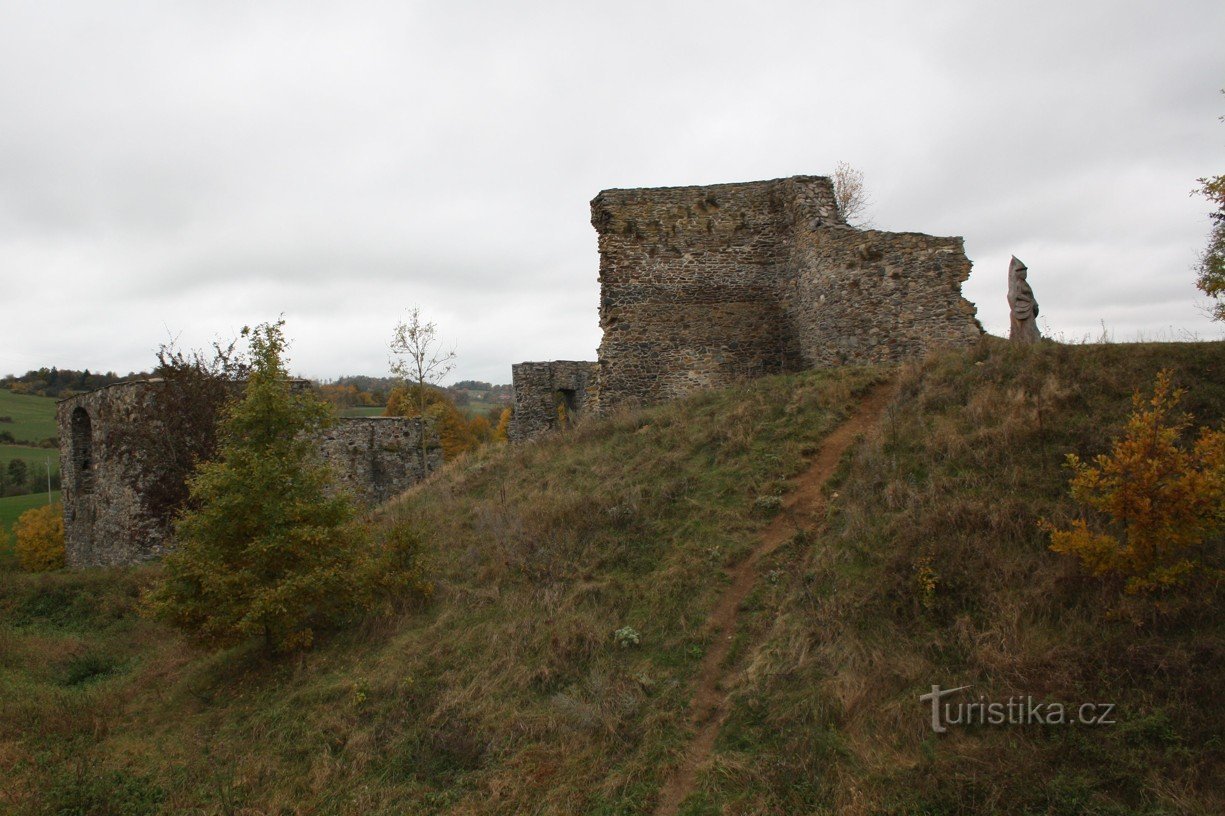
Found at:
<point>511,694</point>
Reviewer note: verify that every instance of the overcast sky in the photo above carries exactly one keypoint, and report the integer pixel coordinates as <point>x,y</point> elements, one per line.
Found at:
<point>173,168</point>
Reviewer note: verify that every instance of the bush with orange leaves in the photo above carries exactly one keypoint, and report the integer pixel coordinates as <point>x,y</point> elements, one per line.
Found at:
<point>40,538</point>
<point>1157,500</point>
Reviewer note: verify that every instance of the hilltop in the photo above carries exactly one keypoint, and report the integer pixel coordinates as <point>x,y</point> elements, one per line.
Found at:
<point>576,577</point>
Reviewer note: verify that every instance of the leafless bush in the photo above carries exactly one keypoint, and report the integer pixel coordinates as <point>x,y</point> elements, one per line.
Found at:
<point>851,195</point>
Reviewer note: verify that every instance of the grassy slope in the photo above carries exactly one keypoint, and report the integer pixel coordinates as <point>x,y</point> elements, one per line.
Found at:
<point>510,695</point>
<point>508,692</point>
<point>950,489</point>
<point>33,417</point>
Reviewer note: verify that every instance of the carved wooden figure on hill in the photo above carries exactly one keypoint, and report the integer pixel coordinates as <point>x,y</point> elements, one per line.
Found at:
<point>1022,306</point>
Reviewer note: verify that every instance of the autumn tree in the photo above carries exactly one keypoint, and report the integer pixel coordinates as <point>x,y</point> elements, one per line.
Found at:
<point>420,360</point>
<point>501,430</point>
<point>39,535</point>
<point>182,420</point>
<point>1211,279</point>
<point>266,547</point>
<point>456,433</point>
<point>1152,502</point>
<point>851,195</point>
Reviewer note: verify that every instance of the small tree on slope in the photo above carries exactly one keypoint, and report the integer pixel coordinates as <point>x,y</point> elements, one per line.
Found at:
<point>1156,500</point>
<point>264,550</point>
<point>419,359</point>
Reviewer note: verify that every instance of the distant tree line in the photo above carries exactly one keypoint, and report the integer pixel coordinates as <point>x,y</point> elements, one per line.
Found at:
<point>62,382</point>
<point>358,391</point>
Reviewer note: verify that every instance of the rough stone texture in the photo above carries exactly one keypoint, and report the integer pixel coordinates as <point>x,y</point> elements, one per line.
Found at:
<point>541,387</point>
<point>1022,306</point>
<point>106,521</point>
<point>703,286</point>
<point>377,458</point>
<point>876,297</point>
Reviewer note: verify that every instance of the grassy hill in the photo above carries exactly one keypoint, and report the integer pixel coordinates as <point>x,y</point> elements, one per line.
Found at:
<point>33,417</point>
<point>39,458</point>
<point>512,692</point>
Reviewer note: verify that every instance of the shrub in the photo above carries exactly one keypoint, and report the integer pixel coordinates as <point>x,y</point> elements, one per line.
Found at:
<point>40,538</point>
<point>627,636</point>
<point>1156,500</point>
<point>267,548</point>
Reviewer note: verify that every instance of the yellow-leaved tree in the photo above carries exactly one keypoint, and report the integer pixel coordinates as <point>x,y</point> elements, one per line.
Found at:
<point>1157,500</point>
<point>500,433</point>
<point>40,538</point>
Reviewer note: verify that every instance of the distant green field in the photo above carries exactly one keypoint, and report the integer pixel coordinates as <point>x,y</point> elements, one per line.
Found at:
<point>33,417</point>
<point>477,408</point>
<point>363,411</point>
<point>14,506</point>
<point>37,457</point>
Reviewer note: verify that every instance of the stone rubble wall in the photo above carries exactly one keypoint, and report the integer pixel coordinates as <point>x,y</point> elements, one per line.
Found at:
<point>536,387</point>
<point>855,297</point>
<point>106,522</point>
<point>104,519</point>
<point>378,458</point>
<point>689,283</point>
<point>704,286</point>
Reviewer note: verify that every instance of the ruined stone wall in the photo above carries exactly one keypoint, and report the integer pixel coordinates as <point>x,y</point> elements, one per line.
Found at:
<point>689,283</point>
<point>855,297</point>
<point>541,387</point>
<point>704,286</point>
<point>377,458</point>
<point>107,521</point>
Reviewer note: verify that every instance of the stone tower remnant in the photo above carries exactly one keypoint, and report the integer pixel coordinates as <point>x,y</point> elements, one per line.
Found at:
<point>551,395</point>
<point>704,286</point>
<point>1022,306</point>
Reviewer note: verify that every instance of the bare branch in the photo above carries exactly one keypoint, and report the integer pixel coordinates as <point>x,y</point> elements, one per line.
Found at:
<point>851,195</point>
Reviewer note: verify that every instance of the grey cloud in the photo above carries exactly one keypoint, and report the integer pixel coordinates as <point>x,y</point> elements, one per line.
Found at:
<point>201,166</point>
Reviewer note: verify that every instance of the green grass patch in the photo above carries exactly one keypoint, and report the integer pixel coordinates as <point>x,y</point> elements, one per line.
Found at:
<point>37,459</point>
<point>33,417</point>
<point>363,411</point>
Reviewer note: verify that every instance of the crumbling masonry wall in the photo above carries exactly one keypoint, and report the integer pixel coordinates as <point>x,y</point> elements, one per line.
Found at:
<point>544,392</point>
<point>704,286</point>
<point>378,458</point>
<point>107,521</point>
<point>102,488</point>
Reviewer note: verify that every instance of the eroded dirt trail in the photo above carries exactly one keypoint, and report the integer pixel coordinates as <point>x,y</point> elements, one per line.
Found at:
<point>803,509</point>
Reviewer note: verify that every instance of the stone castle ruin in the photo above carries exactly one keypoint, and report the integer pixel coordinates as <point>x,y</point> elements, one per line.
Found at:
<point>704,286</point>
<point>106,487</point>
<point>699,287</point>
